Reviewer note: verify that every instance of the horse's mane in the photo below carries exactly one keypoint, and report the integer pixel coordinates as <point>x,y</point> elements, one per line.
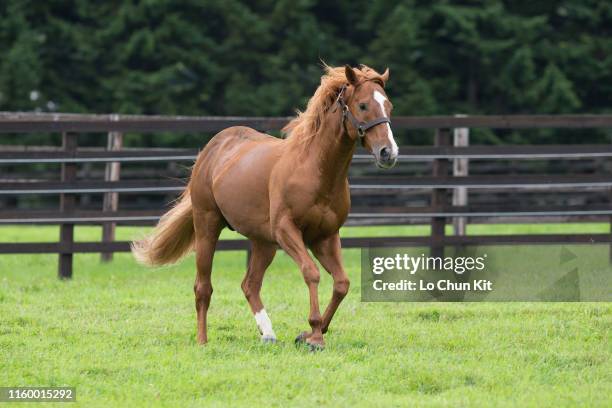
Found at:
<point>308,124</point>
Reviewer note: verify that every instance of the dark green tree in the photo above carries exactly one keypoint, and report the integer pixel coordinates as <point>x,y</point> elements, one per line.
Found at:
<point>231,57</point>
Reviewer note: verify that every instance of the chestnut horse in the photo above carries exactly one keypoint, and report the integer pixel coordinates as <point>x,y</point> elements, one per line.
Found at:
<point>291,193</point>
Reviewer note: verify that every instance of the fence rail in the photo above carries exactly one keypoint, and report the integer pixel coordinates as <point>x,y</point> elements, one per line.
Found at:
<point>242,244</point>
<point>440,183</point>
<point>143,216</point>
<point>357,183</point>
<point>16,155</point>
<point>43,122</point>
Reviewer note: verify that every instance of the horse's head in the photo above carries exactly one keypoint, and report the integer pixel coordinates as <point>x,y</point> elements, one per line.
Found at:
<point>367,112</point>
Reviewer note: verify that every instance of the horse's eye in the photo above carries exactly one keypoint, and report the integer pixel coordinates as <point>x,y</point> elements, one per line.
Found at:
<point>363,106</point>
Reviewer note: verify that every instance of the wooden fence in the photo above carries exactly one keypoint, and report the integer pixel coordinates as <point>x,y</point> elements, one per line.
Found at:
<point>439,211</point>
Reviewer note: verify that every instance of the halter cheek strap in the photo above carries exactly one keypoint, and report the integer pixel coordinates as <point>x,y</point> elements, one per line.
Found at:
<point>362,127</point>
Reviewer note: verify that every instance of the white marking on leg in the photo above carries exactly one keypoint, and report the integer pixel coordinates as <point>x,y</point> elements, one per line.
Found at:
<point>380,98</point>
<point>265,325</point>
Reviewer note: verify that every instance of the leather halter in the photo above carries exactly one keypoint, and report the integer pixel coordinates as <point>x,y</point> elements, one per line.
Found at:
<point>362,127</point>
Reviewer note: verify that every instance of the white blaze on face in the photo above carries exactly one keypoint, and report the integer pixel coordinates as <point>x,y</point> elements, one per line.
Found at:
<point>265,324</point>
<point>380,98</point>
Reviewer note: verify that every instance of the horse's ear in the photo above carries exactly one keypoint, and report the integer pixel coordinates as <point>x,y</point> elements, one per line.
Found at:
<point>385,75</point>
<point>351,76</point>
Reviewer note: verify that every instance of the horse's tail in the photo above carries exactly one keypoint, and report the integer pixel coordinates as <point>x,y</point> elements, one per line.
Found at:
<point>171,239</point>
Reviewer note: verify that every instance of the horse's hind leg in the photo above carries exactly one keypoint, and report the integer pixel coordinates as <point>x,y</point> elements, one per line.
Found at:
<point>208,226</point>
<point>262,255</point>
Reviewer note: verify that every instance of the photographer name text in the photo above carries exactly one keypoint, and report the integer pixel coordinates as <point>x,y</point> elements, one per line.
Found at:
<point>441,285</point>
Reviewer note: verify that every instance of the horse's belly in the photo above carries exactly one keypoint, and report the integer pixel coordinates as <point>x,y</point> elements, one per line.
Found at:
<point>241,192</point>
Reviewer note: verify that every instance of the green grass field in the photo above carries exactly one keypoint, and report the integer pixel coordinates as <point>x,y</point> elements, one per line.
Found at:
<point>125,335</point>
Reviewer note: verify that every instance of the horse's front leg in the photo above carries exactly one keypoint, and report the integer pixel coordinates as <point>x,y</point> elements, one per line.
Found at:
<point>328,252</point>
<point>289,237</point>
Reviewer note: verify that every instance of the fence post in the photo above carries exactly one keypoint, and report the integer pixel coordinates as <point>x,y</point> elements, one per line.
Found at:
<point>67,204</point>
<point>461,138</point>
<point>111,199</point>
<point>438,196</point>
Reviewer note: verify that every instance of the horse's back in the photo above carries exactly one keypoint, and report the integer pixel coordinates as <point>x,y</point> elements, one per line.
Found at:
<point>233,172</point>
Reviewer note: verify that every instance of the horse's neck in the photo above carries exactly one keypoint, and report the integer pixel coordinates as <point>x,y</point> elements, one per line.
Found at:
<point>330,153</point>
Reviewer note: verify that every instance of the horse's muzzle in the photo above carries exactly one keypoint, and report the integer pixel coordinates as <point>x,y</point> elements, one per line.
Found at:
<point>385,158</point>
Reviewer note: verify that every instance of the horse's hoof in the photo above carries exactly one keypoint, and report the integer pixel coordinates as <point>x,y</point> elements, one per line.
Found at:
<point>268,339</point>
<point>301,338</point>
<point>314,347</point>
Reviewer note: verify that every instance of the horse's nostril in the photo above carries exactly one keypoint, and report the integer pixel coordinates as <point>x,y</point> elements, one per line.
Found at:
<point>385,153</point>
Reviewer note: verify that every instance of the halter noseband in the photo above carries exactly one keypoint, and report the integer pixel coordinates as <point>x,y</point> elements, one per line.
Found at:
<point>362,127</point>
